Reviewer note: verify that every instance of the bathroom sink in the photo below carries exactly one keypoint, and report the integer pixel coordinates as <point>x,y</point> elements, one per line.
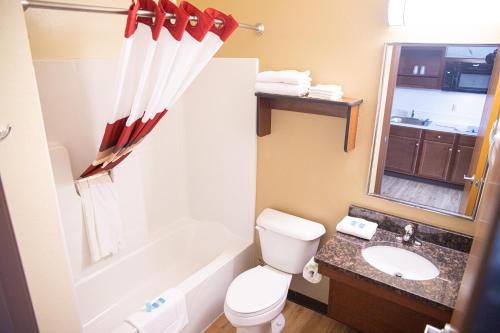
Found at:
<point>400,262</point>
<point>410,121</point>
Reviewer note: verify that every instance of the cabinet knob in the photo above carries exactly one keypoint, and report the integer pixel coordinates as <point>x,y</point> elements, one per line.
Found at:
<point>439,136</point>
<point>417,144</point>
<point>450,149</point>
<point>458,151</point>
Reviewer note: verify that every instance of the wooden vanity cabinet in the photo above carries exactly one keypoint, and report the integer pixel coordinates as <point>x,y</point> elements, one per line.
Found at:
<point>372,308</point>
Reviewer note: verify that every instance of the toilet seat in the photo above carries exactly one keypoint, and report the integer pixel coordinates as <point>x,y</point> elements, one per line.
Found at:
<point>257,291</point>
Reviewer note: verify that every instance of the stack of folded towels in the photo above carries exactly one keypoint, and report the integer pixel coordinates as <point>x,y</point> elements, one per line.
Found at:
<point>287,82</point>
<point>326,91</point>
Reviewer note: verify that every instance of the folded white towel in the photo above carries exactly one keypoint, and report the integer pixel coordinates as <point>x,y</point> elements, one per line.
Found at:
<point>358,227</point>
<point>326,88</point>
<point>282,88</point>
<point>286,76</point>
<point>310,272</point>
<point>331,97</point>
<point>168,316</point>
<point>101,216</point>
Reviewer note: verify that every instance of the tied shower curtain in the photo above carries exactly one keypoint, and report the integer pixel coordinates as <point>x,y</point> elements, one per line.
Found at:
<point>160,58</point>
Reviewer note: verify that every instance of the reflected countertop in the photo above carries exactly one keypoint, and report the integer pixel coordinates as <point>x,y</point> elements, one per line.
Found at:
<point>438,127</point>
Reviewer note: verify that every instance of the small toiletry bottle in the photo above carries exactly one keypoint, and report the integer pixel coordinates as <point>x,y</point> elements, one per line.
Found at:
<point>422,70</point>
<point>415,70</point>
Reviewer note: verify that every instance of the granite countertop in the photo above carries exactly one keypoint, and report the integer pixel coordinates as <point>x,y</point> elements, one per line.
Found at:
<point>343,252</point>
<point>437,127</point>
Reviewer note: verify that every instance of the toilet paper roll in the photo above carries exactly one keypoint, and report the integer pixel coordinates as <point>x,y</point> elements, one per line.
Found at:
<point>310,272</point>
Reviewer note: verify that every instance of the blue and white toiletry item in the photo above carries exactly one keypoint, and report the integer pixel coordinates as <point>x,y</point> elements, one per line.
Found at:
<point>165,314</point>
<point>358,227</point>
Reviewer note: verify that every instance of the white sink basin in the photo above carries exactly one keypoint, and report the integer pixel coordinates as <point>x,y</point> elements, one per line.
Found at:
<point>400,262</point>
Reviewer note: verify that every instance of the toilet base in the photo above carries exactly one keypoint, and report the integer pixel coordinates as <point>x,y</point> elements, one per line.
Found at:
<point>274,326</point>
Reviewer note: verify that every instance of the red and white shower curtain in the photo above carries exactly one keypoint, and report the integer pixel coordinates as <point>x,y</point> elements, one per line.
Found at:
<point>160,58</point>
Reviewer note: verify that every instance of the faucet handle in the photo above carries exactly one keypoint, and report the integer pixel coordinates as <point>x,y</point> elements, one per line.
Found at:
<point>409,228</point>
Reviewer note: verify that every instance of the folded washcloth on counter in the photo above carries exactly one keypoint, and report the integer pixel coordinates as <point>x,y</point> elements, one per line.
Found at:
<point>358,227</point>
<point>286,76</point>
<point>326,91</point>
<point>282,88</point>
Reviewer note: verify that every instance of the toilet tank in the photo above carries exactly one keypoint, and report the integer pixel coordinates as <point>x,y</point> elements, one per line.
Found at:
<point>287,242</point>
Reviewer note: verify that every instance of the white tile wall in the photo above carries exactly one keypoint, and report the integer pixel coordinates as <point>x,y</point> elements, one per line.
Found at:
<point>445,107</point>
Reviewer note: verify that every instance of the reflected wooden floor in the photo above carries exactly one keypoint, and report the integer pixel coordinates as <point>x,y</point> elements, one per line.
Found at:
<point>421,193</point>
<point>298,320</point>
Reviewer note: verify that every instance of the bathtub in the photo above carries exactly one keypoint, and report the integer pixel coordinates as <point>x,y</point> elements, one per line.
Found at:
<point>199,258</point>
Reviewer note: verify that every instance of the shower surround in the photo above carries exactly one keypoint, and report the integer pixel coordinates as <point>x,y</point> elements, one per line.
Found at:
<point>187,194</point>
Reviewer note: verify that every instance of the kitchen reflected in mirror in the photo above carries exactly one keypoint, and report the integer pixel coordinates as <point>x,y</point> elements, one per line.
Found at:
<point>434,117</point>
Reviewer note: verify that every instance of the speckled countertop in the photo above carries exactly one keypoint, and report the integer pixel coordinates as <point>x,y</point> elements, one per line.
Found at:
<point>343,252</point>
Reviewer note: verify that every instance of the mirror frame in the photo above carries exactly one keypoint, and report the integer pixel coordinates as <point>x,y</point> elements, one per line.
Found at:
<point>379,118</point>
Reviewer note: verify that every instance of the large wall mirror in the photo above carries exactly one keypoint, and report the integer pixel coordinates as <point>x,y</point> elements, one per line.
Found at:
<point>434,118</point>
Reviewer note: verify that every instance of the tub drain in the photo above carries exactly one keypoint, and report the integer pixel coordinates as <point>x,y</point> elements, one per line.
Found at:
<point>398,274</point>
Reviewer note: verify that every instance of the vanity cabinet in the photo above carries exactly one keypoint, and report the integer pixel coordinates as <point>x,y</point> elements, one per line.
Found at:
<point>429,154</point>
<point>428,63</point>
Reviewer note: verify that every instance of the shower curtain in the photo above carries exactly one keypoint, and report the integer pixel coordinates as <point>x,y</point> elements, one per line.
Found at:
<point>160,57</point>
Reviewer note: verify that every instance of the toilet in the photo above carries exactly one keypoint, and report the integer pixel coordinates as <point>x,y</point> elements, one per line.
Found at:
<point>256,297</point>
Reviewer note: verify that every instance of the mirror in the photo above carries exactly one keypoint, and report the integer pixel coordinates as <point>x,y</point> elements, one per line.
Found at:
<point>429,147</point>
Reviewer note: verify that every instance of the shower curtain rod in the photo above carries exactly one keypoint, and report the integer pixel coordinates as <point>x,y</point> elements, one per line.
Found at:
<point>259,27</point>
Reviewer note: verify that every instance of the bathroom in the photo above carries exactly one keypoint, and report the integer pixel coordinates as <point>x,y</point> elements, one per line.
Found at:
<point>191,194</point>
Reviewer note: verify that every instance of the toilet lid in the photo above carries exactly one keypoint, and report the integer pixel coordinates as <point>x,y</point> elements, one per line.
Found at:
<point>256,289</point>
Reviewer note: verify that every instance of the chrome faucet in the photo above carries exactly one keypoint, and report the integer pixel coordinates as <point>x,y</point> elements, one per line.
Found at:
<point>413,113</point>
<point>409,231</point>
<point>409,236</point>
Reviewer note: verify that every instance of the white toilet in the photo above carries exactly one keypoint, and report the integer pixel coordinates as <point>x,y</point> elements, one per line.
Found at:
<point>256,297</point>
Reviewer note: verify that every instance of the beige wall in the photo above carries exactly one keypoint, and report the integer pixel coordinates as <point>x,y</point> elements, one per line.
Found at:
<point>27,178</point>
<point>302,168</point>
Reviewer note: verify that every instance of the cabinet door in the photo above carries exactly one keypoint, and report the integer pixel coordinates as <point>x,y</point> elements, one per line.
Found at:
<point>461,163</point>
<point>402,154</point>
<point>429,56</point>
<point>435,159</point>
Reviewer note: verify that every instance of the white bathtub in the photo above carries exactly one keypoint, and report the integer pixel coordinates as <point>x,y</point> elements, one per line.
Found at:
<point>186,195</point>
<point>199,258</point>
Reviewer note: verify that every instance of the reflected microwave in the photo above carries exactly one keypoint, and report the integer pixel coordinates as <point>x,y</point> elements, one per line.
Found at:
<point>472,77</point>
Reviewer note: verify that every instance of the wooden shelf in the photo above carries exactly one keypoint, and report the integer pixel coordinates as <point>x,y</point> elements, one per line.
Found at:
<point>347,108</point>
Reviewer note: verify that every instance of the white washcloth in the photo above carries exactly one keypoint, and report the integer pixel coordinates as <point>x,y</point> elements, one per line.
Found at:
<point>169,317</point>
<point>101,216</point>
<point>326,91</point>
<point>286,76</point>
<point>326,88</point>
<point>282,88</point>
<point>358,227</point>
<point>330,97</point>
<point>310,272</point>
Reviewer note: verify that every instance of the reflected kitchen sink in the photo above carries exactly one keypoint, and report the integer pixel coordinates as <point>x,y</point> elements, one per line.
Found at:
<point>410,121</point>
<point>400,262</point>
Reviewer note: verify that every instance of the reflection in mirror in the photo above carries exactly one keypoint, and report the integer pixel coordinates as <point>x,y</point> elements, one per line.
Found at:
<point>429,148</point>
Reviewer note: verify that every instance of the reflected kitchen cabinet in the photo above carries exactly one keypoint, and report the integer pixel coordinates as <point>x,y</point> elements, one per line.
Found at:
<point>429,154</point>
<point>461,162</point>
<point>435,160</point>
<point>421,67</point>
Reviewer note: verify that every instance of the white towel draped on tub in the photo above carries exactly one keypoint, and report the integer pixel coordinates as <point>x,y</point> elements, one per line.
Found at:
<point>101,216</point>
<point>170,316</point>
